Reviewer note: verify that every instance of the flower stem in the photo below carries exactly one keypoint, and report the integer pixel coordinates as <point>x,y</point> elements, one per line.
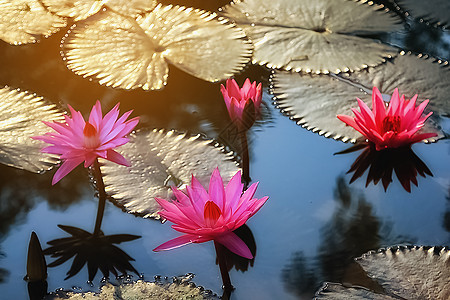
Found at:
<point>227,287</point>
<point>101,196</point>
<point>245,159</point>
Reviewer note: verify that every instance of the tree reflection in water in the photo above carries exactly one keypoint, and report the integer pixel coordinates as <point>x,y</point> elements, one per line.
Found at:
<point>352,230</point>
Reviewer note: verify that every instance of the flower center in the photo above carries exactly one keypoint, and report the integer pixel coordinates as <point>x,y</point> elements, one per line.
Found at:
<point>91,139</point>
<point>391,123</point>
<point>211,214</point>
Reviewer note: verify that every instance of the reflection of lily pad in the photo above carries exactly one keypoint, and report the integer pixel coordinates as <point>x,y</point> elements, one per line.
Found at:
<point>313,101</point>
<point>404,273</point>
<point>22,21</point>
<point>127,53</point>
<point>81,9</point>
<point>181,288</point>
<point>159,159</point>
<point>318,36</point>
<point>21,115</point>
<point>435,11</point>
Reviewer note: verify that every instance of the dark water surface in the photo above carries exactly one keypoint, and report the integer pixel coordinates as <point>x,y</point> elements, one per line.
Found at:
<point>309,230</point>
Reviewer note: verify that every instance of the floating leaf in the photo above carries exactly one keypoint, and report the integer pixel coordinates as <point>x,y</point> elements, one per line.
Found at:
<point>319,36</point>
<point>81,9</point>
<point>159,159</point>
<point>21,116</point>
<point>22,21</point>
<point>180,288</point>
<point>313,101</point>
<point>411,272</point>
<point>128,53</point>
<point>337,291</point>
<point>404,272</point>
<point>435,11</point>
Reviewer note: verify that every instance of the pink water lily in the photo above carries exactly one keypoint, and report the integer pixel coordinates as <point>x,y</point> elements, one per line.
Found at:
<point>237,99</point>
<point>391,127</point>
<point>76,140</point>
<point>204,216</point>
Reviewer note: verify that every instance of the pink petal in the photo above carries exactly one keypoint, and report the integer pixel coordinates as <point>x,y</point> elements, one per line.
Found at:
<point>175,243</point>
<point>216,191</point>
<point>95,116</point>
<point>234,244</point>
<point>233,89</point>
<point>116,157</point>
<point>233,191</point>
<point>394,104</point>
<point>67,166</point>
<point>378,106</point>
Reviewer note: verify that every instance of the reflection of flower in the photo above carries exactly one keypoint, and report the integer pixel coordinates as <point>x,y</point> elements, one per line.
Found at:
<point>244,103</point>
<point>381,164</point>
<point>392,128</point>
<point>213,215</point>
<point>97,251</point>
<point>77,141</point>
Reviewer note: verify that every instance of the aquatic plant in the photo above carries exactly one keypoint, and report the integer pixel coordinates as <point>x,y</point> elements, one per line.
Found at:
<point>391,127</point>
<point>213,215</point>
<point>76,140</point>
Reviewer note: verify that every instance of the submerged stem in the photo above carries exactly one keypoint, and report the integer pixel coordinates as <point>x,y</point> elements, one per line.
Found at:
<point>245,159</point>
<point>227,287</point>
<point>101,196</point>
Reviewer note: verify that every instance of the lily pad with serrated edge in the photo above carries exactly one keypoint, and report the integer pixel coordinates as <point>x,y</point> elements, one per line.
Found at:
<point>23,21</point>
<point>435,11</point>
<point>181,287</point>
<point>130,53</point>
<point>336,291</point>
<point>81,9</point>
<point>411,272</point>
<point>21,116</point>
<point>158,160</point>
<point>313,101</point>
<point>320,36</point>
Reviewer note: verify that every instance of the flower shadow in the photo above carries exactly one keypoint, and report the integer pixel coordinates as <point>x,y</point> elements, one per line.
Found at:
<point>95,250</point>
<point>381,164</point>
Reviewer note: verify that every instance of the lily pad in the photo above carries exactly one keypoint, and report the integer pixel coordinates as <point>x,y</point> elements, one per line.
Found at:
<point>158,160</point>
<point>23,21</point>
<point>313,101</point>
<point>180,288</point>
<point>434,11</point>
<point>337,291</point>
<point>130,53</point>
<point>81,9</point>
<point>404,272</point>
<point>21,116</point>
<point>320,36</point>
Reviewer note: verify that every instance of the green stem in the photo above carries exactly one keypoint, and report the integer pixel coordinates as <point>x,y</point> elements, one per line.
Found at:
<point>101,196</point>
<point>245,159</point>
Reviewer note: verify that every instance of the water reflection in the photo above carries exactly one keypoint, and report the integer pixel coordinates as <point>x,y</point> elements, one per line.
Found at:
<point>20,190</point>
<point>238,262</point>
<point>95,250</point>
<point>299,277</point>
<point>381,164</point>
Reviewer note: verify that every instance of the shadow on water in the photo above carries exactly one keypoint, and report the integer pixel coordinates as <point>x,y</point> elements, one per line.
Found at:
<point>352,230</point>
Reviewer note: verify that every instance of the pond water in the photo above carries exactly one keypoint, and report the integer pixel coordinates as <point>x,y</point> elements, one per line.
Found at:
<point>308,232</point>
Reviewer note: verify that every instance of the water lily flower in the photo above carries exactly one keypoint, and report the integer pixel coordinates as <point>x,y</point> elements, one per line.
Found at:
<point>244,103</point>
<point>76,140</point>
<point>213,215</point>
<point>391,127</point>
